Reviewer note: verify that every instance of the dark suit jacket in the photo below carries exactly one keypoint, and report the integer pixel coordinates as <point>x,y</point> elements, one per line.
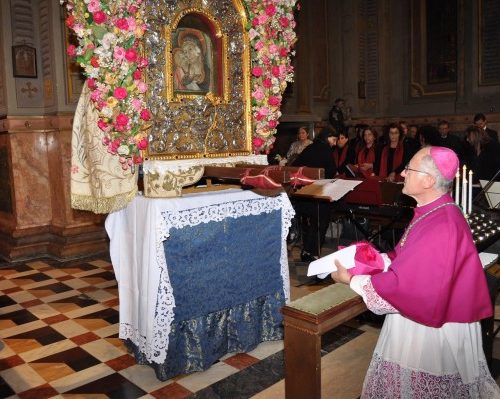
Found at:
<point>317,155</point>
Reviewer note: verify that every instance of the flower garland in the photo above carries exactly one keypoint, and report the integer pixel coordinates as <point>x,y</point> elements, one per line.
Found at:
<point>272,37</point>
<point>109,34</point>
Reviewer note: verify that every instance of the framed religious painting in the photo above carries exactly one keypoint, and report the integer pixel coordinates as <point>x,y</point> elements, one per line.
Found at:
<point>196,58</point>
<point>24,61</point>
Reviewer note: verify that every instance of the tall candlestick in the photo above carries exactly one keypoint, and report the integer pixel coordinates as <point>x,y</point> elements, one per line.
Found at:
<point>457,188</point>
<point>469,206</point>
<point>463,204</point>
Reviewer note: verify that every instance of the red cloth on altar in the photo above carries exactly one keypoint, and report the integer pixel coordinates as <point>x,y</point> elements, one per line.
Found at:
<point>437,277</point>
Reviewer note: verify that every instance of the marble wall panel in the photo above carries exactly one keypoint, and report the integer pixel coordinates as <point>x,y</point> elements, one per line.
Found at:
<point>31,178</point>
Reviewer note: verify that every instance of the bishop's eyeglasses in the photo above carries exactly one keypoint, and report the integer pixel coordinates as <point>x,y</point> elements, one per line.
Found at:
<point>407,168</point>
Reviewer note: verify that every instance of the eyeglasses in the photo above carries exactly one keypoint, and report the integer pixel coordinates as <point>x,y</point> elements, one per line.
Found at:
<point>407,168</point>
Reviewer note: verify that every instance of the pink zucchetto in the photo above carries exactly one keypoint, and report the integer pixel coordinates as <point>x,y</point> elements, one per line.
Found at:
<point>446,161</point>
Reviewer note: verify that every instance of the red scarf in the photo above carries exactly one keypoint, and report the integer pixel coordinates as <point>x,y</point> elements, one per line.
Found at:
<point>396,160</point>
<point>369,157</point>
<point>343,155</point>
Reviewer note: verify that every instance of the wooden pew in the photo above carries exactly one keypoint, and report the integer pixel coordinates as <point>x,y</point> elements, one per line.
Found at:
<point>306,320</point>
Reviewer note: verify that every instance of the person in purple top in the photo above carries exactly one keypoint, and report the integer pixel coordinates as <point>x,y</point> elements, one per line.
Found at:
<point>434,294</point>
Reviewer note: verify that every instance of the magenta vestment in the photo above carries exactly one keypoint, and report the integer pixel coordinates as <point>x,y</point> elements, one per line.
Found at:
<point>436,277</point>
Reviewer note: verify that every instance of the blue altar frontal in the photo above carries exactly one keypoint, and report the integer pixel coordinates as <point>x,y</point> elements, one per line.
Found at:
<point>200,276</point>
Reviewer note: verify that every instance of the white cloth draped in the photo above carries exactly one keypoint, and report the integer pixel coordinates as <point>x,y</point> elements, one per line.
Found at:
<point>136,247</point>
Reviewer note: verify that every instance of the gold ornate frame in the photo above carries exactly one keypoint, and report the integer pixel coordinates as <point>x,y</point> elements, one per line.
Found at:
<point>227,125</point>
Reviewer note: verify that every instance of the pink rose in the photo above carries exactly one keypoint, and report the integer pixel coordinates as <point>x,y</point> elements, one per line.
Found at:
<point>273,48</point>
<point>275,70</point>
<point>284,22</point>
<point>257,71</point>
<point>94,5</point>
<point>142,62</point>
<point>142,87</point>
<point>258,142</point>
<point>145,114</point>
<point>71,50</point>
<point>137,75</point>
<point>136,104</point>
<point>274,100</point>
<point>267,83</point>
<point>264,111</point>
<point>137,159</point>
<point>132,9</point>
<point>121,23</point>
<point>131,23</point>
<point>258,94</point>
<point>105,139</point>
<point>272,124</point>
<point>283,51</point>
<point>121,120</point>
<point>119,53</point>
<point>120,93</point>
<point>142,144</point>
<point>131,55</point>
<point>99,17</point>
<point>259,45</point>
<point>91,83</point>
<point>255,22</point>
<point>259,116</point>
<point>271,10</point>
<point>95,95</point>
<point>103,126</point>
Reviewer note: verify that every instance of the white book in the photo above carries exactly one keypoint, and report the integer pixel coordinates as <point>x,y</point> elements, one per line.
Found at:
<point>322,267</point>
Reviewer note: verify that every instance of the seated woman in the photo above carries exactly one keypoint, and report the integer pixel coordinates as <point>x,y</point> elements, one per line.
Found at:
<point>298,146</point>
<point>392,157</point>
<point>365,158</point>
<point>484,155</point>
<point>343,155</point>
<point>315,215</point>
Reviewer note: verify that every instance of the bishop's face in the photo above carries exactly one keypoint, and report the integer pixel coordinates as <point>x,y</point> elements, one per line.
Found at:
<point>415,183</point>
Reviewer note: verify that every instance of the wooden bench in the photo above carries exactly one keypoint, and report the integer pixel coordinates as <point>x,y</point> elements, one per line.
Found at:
<point>306,320</point>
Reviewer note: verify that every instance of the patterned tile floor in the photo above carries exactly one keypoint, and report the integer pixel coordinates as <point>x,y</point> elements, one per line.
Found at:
<point>59,326</point>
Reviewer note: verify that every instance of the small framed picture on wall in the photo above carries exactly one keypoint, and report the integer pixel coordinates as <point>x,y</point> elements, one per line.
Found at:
<point>24,61</point>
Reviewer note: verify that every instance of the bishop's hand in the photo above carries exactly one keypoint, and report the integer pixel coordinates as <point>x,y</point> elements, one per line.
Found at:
<point>341,275</point>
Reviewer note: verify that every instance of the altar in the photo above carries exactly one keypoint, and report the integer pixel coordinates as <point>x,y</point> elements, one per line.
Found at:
<point>200,276</point>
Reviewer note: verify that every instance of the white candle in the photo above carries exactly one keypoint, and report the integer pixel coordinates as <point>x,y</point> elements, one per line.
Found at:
<point>464,189</point>
<point>469,207</point>
<point>457,188</point>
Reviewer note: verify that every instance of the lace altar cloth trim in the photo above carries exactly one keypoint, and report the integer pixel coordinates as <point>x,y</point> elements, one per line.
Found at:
<point>389,380</point>
<point>174,166</point>
<point>155,348</point>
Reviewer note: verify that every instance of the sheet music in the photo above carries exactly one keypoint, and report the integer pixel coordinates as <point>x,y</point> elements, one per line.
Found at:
<point>492,193</point>
<point>332,189</point>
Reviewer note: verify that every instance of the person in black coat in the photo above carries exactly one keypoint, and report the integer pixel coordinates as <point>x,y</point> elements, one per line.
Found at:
<point>315,215</point>
<point>483,156</point>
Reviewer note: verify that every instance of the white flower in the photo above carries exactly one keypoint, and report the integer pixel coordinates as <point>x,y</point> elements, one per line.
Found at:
<point>123,150</point>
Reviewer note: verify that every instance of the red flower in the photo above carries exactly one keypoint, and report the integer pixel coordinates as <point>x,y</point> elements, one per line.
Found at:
<point>267,83</point>
<point>103,125</point>
<point>255,22</point>
<point>120,93</point>
<point>283,52</point>
<point>271,10</point>
<point>99,17</point>
<point>121,23</point>
<point>145,114</point>
<point>284,22</point>
<point>131,55</point>
<point>257,71</point>
<point>137,159</point>
<point>121,120</point>
<point>142,144</point>
<point>70,21</point>
<point>94,61</point>
<point>275,70</point>
<point>272,124</point>
<point>91,83</point>
<point>71,50</point>
<point>137,74</point>
<point>274,100</point>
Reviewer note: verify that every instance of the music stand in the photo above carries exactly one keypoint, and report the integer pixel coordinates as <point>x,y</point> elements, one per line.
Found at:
<point>491,192</point>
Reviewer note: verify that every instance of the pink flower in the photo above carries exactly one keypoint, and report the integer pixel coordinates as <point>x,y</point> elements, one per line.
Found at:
<point>263,19</point>
<point>267,83</point>
<point>136,104</point>
<point>257,71</point>
<point>132,9</point>
<point>120,93</point>
<point>96,95</point>
<point>258,142</point>
<point>131,55</point>
<point>105,139</point>
<point>137,159</point>
<point>258,94</point>
<point>273,48</point>
<point>99,17</point>
<point>255,22</point>
<point>94,5</point>
<point>272,124</point>
<point>145,115</point>
<point>142,144</point>
<point>91,83</point>
<point>103,126</point>
<point>142,62</point>
<point>283,51</point>
<point>274,101</point>
<point>270,10</point>
<point>137,75</point>
<point>121,120</point>
<point>70,21</point>
<point>121,23</point>
<point>275,70</point>
<point>71,50</point>
<point>284,22</point>
<point>142,87</point>
<point>131,23</point>
<point>264,111</point>
<point>259,45</point>
<point>119,53</point>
